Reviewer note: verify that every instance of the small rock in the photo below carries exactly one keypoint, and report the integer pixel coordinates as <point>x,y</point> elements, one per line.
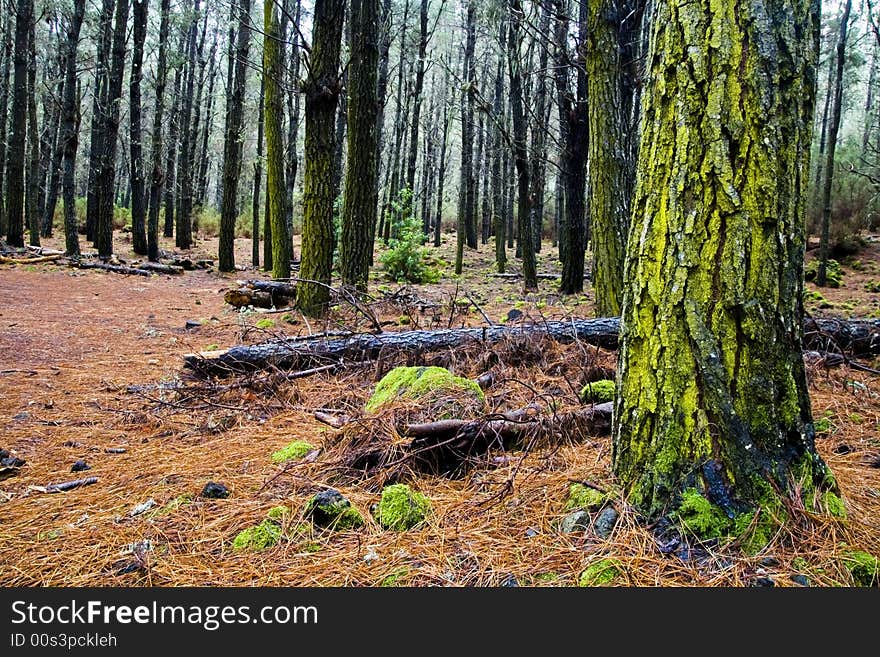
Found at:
<point>72,443</point>
<point>12,462</point>
<point>513,314</point>
<point>800,579</point>
<point>215,491</point>
<point>142,508</point>
<point>21,416</point>
<point>331,509</point>
<point>510,582</point>
<point>763,581</point>
<point>770,562</point>
<point>875,462</point>
<point>191,324</point>
<point>576,521</point>
<point>531,532</point>
<point>604,524</point>
<point>843,448</point>
<point>371,555</point>
<point>80,466</point>
<point>4,454</point>
<point>129,568</point>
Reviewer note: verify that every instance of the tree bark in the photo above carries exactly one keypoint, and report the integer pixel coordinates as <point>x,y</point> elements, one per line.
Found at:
<point>183,219</point>
<point>15,201</point>
<point>713,400</point>
<point>99,115</point>
<point>833,129</point>
<point>70,130</point>
<point>138,184</point>
<point>321,92</point>
<point>4,106</point>
<point>232,143</point>
<point>171,156</point>
<point>32,191</point>
<point>362,173</point>
<point>273,109</point>
<point>157,174</point>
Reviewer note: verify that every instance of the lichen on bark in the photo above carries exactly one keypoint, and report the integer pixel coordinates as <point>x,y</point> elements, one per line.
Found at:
<point>713,393</point>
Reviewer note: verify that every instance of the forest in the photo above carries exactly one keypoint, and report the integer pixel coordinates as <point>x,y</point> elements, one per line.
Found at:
<point>408,293</point>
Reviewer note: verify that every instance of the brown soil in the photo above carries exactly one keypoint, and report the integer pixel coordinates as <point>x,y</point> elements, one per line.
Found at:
<point>71,342</point>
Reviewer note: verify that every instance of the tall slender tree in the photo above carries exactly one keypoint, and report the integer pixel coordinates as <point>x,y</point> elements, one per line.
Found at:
<point>32,190</point>
<point>183,220</point>
<point>361,175</point>
<point>6,37</point>
<point>138,178</point>
<point>70,120</point>
<point>232,143</point>
<point>157,173</point>
<point>322,92</point>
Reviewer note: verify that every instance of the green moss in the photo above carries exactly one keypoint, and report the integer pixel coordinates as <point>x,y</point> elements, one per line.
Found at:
<point>599,391</point>
<point>833,272</point>
<point>700,517</point>
<point>258,537</point>
<point>546,577</point>
<point>583,497</point>
<point>753,536</point>
<point>395,578</point>
<point>419,382</point>
<point>277,512</point>
<point>864,567</point>
<point>833,505</point>
<point>800,564</point>
<point>265,323</point>
<point>872,286</point>
<point>401,508</point>
<point>331,510</point>
<point>172,506</point>
<point>600,573</point>
<point>295,450</point>
<point>812,295</point>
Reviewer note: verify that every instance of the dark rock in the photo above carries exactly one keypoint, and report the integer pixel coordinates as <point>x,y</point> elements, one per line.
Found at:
<point>763,581</point>
<point>604,524</point>
<point>843,448</point>
<point>770,562</point>
<point>24,415</point>
<point>129,568</point>
<point>79,466</point>
<point>510,582</point>
<point>191,324</point>
<point>800,579</point>
<point>331,509</point>
<point>215,491</point>
<point>875,462</point>
<point>12,462</point>
<point>3,454</point>
<point>689,553</point>
<point>72,443</point>
<point>577,521</point>
<point>513,314</point>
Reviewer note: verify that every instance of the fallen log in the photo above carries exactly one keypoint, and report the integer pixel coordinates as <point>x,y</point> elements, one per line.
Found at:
<point>260,294</point>
<point>29,261</point>
<point>286,354</point>
<point>855,337</point>
<point>171,270</point>
<point>70,485</point>
<point>116,269</point>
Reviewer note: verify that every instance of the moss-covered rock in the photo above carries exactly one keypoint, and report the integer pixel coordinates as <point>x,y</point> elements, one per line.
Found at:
<point>331,510</point>
<point>401,508</point>
<point>584,497</point>
<point>292,451</point>
<point>575,522</point>
<point>864,567</point>
<point>434,388</point>
<point>259,537</point>
<point>833,272</point>
<point>599,391</point>
<point>600,573</point>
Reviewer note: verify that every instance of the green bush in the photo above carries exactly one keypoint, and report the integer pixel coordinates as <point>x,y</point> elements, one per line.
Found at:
<point>405,261</point>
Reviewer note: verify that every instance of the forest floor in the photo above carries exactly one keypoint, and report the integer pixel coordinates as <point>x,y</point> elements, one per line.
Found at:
<point>72,342</point>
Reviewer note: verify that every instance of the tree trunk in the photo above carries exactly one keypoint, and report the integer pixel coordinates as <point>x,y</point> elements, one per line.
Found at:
<point>417,100</point>
<point>232,143</point>
<point>4,106</point>
<point>183,233</point>
<point>258,183</point>
<point>608,182</point>
<point>833,129</point>
<point>70,130</point>
<point>293,106</point>
<point>99,115</point>
<point>441,170</point>
<point>575,138</point>
<point>171,159</point>
<point>322,92</point>
<point>15,201</point>
<point>520,149</point>
<point>362,172</point>
<point>713,408</point>
<point>273,118</point>
<point>157,175</point>
<point>106,179</point>
<point>540,126</point>
<point>500,226</point>
<point>33,175</point>
<point>465,186</point>
<point>138,185</point>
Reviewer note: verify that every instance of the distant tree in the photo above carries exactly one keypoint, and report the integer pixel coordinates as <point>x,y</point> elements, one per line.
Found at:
<point>138,177</point>
<point>157,173</point>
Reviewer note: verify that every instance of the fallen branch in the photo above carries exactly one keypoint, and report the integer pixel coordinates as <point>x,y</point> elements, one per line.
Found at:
<point>171,270</point>
<point>70,485</point>
<point>29,261</point>
<point>116,269</point>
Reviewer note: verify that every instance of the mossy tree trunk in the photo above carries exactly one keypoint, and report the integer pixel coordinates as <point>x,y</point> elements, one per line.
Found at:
<point>713,396</point>
<point>258,185</point>
<point>233,138</point>
<point>609,179</point>
<point>362,173</point>
<point>273,117</point>
<point>322,93</point>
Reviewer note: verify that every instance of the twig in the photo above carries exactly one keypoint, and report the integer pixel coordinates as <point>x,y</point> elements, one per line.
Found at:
<point>69,485</point>
<point>477,306</point>
<point>337,422</point>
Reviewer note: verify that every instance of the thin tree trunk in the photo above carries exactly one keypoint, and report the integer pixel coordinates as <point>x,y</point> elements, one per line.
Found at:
<point>33,175</point>
<point>441,170</point>
<point>171,158</point>
<point>4,113</point>
<point>498,186</point>
<point>157,175</point>
<point>258,183</point>
<point>183,233</point>
<point>833,128</point>
<point>99,115</point>
<point>138,183</point>
<point>15,201</point>
<point>70,129</point>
